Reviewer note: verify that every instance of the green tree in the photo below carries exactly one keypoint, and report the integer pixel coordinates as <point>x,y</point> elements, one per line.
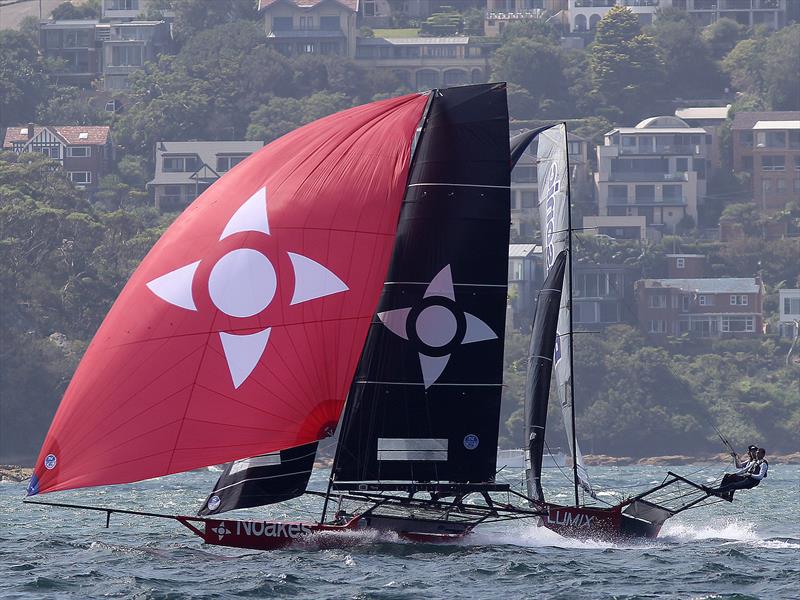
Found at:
<point>625,67</point>
<point>72,106</point>
<point>536,66</point>
<point>70,11</point>
<point>194,16</point>
<point>279,116</point>
<point>23,80</point>
<point>782,66</point>
<point>689,68</point>
<point>723,35</point>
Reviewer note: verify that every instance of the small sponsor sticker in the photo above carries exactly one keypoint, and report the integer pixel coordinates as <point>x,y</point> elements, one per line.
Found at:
<point>214,502</point>
<point>50,462</point>
<point>471,441</point>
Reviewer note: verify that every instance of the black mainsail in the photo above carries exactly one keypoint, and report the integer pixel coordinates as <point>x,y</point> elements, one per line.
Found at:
<point>424,406</point>
<point>540,368</point>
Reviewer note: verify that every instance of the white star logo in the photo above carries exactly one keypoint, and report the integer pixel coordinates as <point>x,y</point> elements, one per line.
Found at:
<point>243,283</point>
<point>221,530</point>
<point>436,326</point>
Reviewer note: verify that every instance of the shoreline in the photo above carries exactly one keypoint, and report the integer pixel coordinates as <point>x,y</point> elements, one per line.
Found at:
<point>17,473</point>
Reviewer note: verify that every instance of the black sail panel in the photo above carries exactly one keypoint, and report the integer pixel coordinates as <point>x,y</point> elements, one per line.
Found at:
<point>425,403</point>
<point>262,480</point>
<point>540,368</point>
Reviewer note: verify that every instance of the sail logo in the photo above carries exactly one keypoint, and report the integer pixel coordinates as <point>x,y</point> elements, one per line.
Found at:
<point>552,185</point>
<point>50,462</point>
<point>243,283</point>
<point>436,326</point>
<point>221,530</point>
<point>214,502</point>
<point>568,519</point>
<point>261,528</point>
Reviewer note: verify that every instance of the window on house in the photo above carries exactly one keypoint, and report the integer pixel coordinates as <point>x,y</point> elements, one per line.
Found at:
<point>306,22</point>
<point>618,192</point>
<point>52,39</point>
<point>672,192</point>
<point>574,148</point>
<point>76,39</point>
<point>528,199</point>
<point>282,24</point>
<point>657,301</point>
<point>794,139</point>
<point>773,163</point>
<point>738,324</point>
<point>685,303</point>
<point>657,326</point>
<point>796,186</point>
<point>369,8</point>
<point>226,163</point>
<point>739,300</point>
<point>766,187</point>
<point>126,56</point>
<point>681,165</point>
<point>329,23</point>
<point>180,164</point>
<point>78,151</point>
<point>645,193</point>
<point>680,263</point>
<point>774,139</point>
<point>746,138</point>
<point>307,48</point>
<point>122,4</point>
<point>609,312</point>
<point>791,306</point>
<point>80,177</point>
<point>704,300</point>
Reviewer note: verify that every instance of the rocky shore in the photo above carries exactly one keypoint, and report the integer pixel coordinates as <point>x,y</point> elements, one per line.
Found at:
<point>15,473</point>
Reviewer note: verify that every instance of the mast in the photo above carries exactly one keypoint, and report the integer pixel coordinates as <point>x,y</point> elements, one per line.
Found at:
<point>571,337</point>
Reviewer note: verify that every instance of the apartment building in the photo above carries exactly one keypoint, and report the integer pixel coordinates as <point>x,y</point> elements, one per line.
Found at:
<point>710,118</point>
<point>656,170</point>
<point>296,27</point>
<point>85,152</point>
<point>184,170</point>
<point>700,307</point>
<point>767,146</point>
<point>90,51</point>
<point>584,15</point>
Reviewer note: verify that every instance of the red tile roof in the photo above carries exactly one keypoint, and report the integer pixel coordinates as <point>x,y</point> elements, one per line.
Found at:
<point>351,4</point>
<point>97,135</point>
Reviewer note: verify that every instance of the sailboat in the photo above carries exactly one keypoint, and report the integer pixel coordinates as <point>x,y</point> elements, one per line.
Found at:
<point>361,258</point>
<point>353,273</point>
<point>551,354</point>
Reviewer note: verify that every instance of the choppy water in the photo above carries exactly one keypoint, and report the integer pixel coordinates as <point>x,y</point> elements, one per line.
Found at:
<point>750,549</point>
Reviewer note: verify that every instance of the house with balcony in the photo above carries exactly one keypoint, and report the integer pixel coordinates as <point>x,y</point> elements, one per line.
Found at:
<point>90,51</point>
<point>584,15</point>
<point>75,47</point>
<point>525,187</point>
<point>500,13</point>
<point>766,145</point>
<point>750,13</point>
<point>129,10</point>
<point>789,306</point>
<point>85,152</point>
<point>128,47</point>
<point>297,27</point>
<point>423,63</point>
<point>602,295</point>
<point>656,170</point>
<point>184,170</point>
<point>710,118</point>
<point>702,307</point>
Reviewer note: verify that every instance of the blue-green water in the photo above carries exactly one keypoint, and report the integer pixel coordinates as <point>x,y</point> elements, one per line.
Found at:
<point>750,549</point>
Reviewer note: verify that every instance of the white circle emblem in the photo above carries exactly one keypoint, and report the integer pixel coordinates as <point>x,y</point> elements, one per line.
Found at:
<point>242,283</point>
<point>50,462</point>
<point>214,502</point>
<point>436,326</point>
<point>471,441</point>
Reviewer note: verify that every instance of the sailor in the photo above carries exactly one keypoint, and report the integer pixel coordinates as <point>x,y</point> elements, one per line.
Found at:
<point>751,456</point>
<point>747,477</point>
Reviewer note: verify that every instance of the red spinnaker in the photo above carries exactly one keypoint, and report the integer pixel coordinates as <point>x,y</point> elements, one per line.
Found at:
<point>240,332</point>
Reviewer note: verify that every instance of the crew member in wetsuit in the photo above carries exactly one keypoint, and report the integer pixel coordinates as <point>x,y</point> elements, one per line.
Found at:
<point>748,477</point>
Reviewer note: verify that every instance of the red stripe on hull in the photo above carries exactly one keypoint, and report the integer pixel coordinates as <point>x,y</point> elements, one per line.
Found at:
<point>597,523</point>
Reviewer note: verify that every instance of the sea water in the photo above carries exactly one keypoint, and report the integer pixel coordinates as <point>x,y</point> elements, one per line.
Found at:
<point>748,549</point>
